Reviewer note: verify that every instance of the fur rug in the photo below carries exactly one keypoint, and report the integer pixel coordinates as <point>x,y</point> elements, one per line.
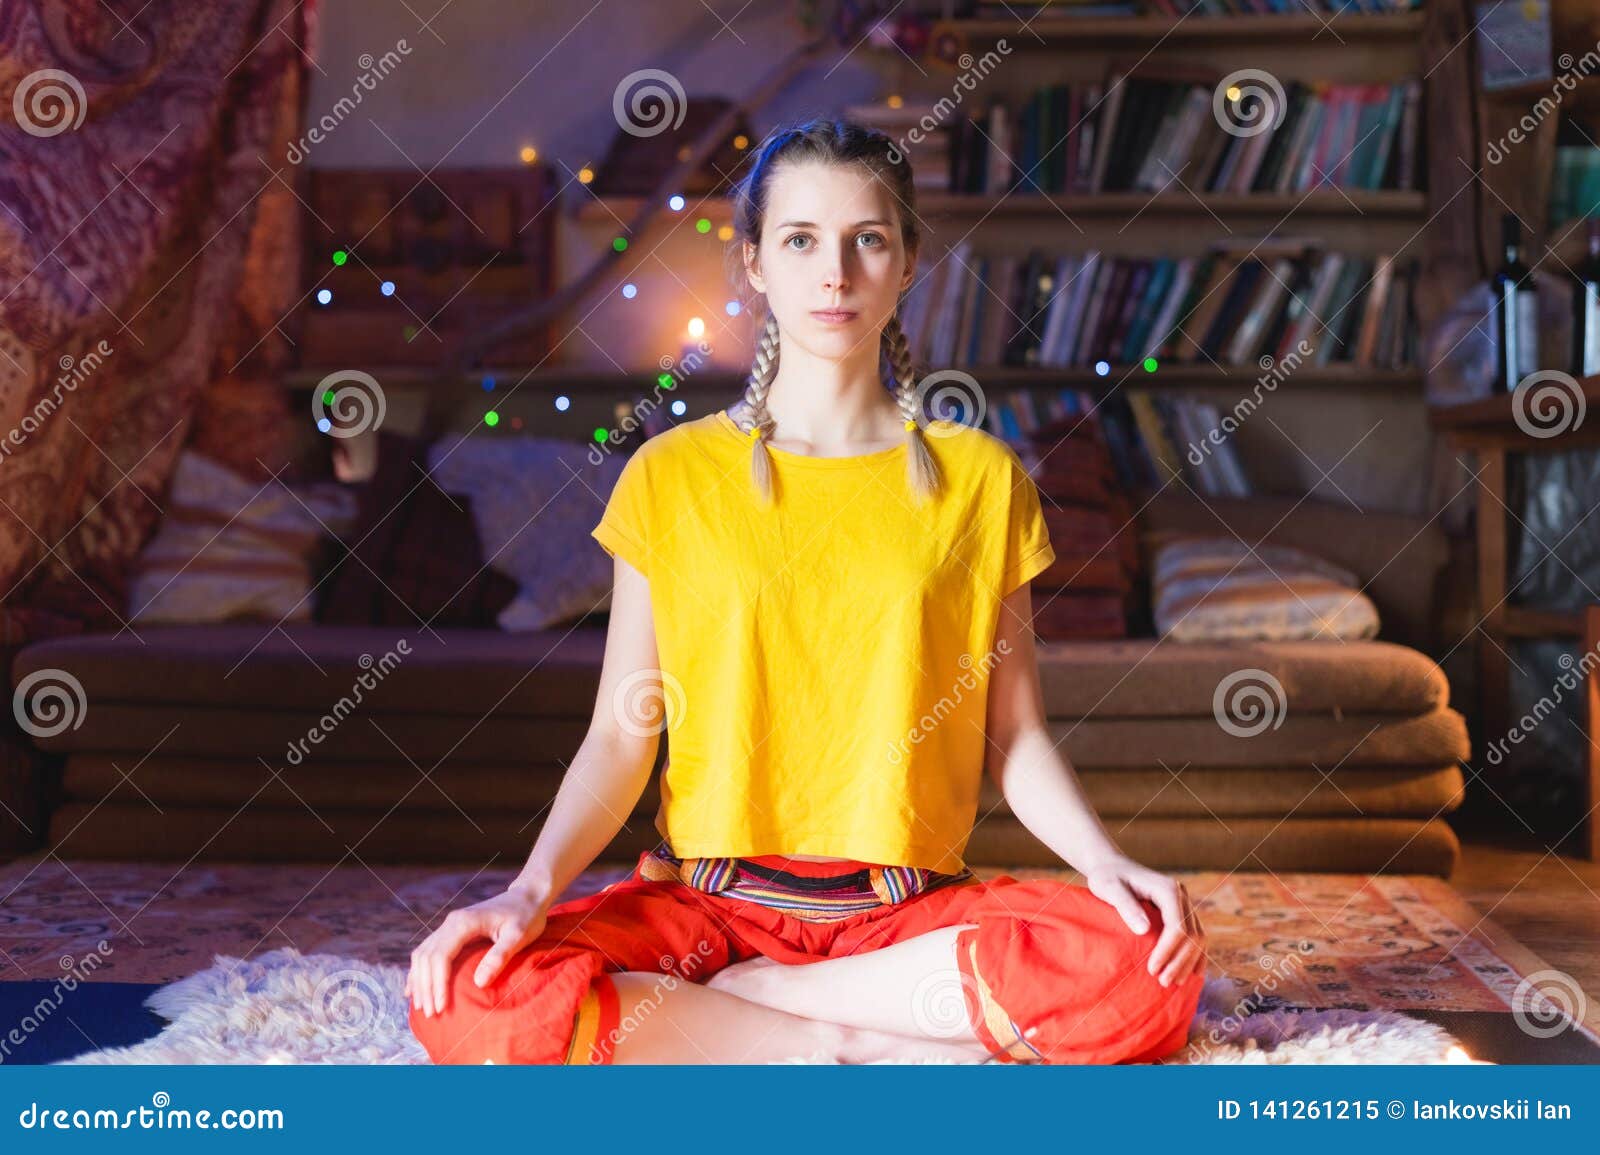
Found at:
<point>285,1007</point>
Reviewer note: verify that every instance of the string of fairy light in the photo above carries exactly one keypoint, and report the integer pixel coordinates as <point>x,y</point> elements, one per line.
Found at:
<point>694,328</point>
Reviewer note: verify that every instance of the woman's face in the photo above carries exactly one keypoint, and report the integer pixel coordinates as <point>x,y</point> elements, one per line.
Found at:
<point>831,261</point>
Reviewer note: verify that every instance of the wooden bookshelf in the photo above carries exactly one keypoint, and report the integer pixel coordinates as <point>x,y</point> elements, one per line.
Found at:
<point>1488,429</point>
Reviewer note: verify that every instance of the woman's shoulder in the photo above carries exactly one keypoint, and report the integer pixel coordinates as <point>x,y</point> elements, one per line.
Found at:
<point>683,442</point>
<point>970,445</point>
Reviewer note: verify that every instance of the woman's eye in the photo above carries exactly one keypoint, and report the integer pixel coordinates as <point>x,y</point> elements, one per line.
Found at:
<point>875,238</point>
<point>796,237</point>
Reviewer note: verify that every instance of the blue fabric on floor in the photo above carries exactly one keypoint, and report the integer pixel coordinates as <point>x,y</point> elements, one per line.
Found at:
<point>55,1024</point>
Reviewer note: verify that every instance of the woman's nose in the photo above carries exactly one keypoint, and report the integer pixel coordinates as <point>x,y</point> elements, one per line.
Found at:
<point>835,279</point>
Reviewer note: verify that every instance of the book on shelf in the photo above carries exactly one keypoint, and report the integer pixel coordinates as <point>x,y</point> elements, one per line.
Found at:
<point>1142,134</point>
<point>1575,187</point>
<point>1152,439</point>
<point>1234,305</point>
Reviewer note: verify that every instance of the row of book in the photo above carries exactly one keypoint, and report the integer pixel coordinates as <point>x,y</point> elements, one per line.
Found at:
<point>1139,134</point>
<point>1151,437</point>
<point>1228,306</point>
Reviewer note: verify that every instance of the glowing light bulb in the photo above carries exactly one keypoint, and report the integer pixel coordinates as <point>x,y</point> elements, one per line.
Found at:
<point>697,328</point>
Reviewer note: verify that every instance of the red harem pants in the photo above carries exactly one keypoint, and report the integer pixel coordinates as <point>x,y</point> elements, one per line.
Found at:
<point>1044,956</point>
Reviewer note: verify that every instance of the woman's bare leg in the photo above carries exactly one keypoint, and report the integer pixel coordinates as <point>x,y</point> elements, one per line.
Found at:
<point>668,1020</point>
<point>910,988</point>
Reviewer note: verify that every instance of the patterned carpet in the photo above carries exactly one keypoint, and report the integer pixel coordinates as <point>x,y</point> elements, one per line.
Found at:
<point>1289,941</point>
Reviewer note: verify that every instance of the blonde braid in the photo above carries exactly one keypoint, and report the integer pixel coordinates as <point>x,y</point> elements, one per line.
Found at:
<point>762,372</point>
<point>922,471</point>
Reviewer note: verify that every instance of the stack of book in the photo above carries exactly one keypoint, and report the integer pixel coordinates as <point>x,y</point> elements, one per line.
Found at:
<point>1086,591</point>
<point>1150,438</point>
<point>1142,134</point>
<point>1234,305</point>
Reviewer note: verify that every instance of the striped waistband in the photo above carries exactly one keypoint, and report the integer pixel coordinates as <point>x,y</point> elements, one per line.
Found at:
<point>798,888</point>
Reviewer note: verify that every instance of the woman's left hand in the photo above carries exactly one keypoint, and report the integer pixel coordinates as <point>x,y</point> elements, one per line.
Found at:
<point>1181,947</point>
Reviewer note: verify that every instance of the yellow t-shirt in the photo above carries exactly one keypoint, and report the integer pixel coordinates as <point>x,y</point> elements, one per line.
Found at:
<point>826,659</point>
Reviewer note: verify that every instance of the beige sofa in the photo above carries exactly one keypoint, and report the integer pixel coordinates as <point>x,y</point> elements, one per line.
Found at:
<point>182,750</point>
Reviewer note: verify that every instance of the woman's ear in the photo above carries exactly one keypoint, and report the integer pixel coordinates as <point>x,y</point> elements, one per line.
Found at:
<point>752,269</point>
<point>911,271</point>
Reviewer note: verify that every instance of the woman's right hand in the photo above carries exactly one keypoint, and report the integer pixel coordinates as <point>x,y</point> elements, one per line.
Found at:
<point>511,919</point>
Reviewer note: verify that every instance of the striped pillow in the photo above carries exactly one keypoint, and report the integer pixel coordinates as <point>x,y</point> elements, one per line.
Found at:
<point>1220,589</point>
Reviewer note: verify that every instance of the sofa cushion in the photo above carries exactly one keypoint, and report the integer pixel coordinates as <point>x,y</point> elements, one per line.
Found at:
<point>1220,589</point>
<point>1196,791</point>
<point>426,739</point>
<point>122,830</point>
<point>555,673</point>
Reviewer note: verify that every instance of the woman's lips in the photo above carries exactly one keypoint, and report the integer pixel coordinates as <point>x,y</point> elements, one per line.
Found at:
<point>834,316</point>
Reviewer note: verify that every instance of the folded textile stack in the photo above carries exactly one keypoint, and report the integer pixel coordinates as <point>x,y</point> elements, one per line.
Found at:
<point>1085,593</point>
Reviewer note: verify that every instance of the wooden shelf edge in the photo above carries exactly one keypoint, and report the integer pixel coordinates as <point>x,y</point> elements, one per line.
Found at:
<point>1495,415</point>
<point>1527,622</point>
<point>1353,204</point>
<point>994,376</point>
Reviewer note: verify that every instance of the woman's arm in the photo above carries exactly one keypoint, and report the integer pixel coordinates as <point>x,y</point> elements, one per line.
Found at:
<point>598,792</point>
<point>1043,791</point>
<point>612,766</point>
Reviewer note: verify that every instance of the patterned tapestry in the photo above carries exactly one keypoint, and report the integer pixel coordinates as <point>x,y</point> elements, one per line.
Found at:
<point>149,248</point>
